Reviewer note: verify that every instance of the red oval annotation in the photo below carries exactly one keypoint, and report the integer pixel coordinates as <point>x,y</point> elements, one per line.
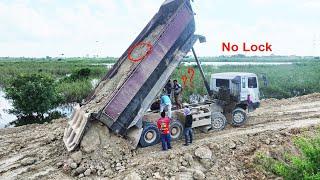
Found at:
<point>140,44</point>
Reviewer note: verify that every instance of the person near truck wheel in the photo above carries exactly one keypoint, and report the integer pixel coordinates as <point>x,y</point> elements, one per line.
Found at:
<point>164,126</point>
<point>165,104</point>
<point>177,92</point>
<point>187,126</point>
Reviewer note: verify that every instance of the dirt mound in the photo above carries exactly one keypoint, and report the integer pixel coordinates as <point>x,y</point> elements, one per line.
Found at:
<point>32,151</point>
<point>37,151</point>
<point>100,153</point>
<point>275,102</point>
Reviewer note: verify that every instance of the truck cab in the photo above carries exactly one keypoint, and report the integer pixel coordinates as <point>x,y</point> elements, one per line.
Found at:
<point>239,85</point>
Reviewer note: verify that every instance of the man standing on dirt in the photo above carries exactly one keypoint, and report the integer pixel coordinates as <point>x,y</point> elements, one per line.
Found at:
<point>187,126</point>
<point>165,104</point>
<point>177,91</point>
<point>164,126</point>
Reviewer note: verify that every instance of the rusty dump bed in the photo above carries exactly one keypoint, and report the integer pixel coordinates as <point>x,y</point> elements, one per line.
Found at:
<point>128,89</point>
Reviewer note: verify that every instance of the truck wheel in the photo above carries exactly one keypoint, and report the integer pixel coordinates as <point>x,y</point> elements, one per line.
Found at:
<point>218,121</point>
<point>150,135</point>
<point>176,130</point>
<point>239,117</point>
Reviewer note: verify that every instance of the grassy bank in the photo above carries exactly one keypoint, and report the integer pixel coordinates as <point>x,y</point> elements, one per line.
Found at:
<point>55,68</point>
<point>242,58</point>
<point>72,89</point>
<point>300,160</point>
<point>285,81</point>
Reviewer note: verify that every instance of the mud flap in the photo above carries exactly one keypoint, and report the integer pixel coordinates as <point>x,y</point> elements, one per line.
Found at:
<point>75,128</point>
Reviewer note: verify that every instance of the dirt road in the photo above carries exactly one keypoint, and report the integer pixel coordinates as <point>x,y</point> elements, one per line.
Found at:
<point>37,151</point>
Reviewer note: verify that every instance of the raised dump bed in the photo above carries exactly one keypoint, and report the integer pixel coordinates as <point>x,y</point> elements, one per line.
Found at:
<point>125,93</point>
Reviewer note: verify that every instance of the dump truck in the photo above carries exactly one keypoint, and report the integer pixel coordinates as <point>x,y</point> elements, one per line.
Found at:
<point>123,96</point>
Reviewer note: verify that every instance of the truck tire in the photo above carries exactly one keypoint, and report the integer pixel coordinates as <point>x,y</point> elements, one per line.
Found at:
<point>176,130</point>
<point>239,117</point>
<point>150,135</point>
<point>218,121</point>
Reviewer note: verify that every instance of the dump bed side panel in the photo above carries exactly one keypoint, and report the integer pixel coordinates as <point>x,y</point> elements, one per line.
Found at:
<point>148,65</point>
<point>162,17</point>
<point>135,111</point>
<point>125,104</point>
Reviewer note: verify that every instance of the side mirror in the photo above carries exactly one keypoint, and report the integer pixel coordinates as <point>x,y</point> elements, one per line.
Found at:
<point>202,39</point>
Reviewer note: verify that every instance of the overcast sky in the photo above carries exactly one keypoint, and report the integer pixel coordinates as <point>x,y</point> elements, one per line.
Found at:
<point>37,28</point>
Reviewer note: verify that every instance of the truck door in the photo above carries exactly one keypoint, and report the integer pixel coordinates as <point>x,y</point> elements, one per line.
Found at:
<point>253,88</point>
<point>235,87</point>
<point>244,88</point>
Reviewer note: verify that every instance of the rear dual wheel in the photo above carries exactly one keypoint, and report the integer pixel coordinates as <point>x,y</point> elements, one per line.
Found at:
<point>218,121</point>
<point>176,130</point>
<point>239,117</point>
<point>151,134</point>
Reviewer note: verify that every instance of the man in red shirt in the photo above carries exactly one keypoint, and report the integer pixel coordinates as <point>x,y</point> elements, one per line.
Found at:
<point>164,127</point>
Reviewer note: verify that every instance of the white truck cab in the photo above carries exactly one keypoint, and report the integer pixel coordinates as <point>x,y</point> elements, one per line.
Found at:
<point>240,85</point>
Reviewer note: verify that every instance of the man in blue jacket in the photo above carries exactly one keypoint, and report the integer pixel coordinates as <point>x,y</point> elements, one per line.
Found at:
<point>165,104</point>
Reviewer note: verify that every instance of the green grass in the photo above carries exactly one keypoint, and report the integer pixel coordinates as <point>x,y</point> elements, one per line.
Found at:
<point>72,91</point>
<point>302,77</point>
<point>241,58</point>
<point>284,80</point>
<point>306,165</point>
<point>57,69</point>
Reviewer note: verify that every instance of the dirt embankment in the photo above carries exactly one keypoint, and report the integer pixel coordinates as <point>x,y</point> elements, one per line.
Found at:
<point>37,151</point>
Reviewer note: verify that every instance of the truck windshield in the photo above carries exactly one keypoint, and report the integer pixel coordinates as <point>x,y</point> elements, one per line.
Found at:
<point>222,83</point>
<point>252,82</point>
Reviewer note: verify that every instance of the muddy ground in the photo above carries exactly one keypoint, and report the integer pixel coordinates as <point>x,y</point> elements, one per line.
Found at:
<point>38,152</point>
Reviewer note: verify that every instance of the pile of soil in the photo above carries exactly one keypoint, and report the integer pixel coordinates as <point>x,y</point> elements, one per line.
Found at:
<point>38,152</point>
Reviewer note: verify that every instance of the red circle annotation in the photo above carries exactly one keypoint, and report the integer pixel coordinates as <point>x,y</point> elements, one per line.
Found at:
<point>140,44</point>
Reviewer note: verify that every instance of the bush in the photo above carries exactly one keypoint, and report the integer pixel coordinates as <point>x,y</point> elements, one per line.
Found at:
<point>83,73</point>
<point>304,166</point>
<point>74,91</point>
<point>31,94</point>
<point>24,120</point>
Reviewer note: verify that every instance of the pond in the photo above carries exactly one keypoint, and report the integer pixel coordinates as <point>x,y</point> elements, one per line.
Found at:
<point>5,104</point>
<point>236,63</point>
<point>6,118</point>
<point>109,65</point>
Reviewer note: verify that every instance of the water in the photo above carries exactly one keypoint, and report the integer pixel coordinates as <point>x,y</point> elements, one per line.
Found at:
<point>236,63</point>
<point>109,65</point>
<point>5,104</point>
<point>94,82</point>
<point>6,118</point>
